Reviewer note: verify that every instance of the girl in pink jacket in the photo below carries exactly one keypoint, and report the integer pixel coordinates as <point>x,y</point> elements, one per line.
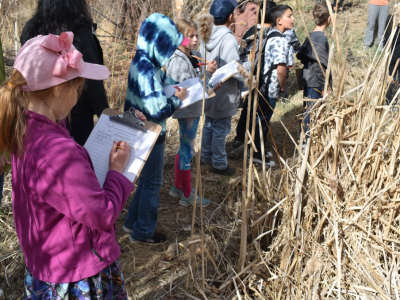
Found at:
<point>63,218</point>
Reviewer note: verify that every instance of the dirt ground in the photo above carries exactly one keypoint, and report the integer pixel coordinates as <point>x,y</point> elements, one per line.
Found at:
<point>148,275</point>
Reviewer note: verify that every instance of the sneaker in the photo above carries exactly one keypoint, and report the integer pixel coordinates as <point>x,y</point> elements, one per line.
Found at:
<point>227,171</point>
<point>157,238</point>
<point>236,144</point>
<point>126,229</point>
<point>190,200</point>
<point>257,159</point>
<point>175,192</point>
<point>268,154</point>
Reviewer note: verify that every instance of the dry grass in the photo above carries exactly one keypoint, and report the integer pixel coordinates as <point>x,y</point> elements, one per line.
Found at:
<point>279,251</point>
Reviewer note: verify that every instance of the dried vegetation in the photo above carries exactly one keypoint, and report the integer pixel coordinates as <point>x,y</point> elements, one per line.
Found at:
<point>323,224</point>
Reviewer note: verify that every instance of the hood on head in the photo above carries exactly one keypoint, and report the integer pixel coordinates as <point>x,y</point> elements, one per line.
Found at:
<point>158,39</point>
<point>218,32</point>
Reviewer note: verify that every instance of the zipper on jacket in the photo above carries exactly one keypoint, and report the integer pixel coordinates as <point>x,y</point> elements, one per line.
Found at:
<point>97,254</point>
<point>91,245</point>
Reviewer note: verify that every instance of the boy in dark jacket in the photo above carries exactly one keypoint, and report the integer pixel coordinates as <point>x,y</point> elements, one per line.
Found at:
<point>311,76</point>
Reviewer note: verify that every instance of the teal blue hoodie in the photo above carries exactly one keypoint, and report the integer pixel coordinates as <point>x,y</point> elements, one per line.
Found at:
<point>158,40</point>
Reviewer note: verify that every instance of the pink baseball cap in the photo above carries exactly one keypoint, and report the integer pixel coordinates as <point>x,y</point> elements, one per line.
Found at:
<point>47,61</point>
<point>185,41</point>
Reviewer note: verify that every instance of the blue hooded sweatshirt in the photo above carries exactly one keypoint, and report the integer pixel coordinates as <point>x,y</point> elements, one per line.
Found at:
<point>158,40</point>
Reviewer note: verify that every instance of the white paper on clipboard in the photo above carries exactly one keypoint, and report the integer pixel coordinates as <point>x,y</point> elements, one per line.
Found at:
<point>194,91</point>
<point>224,72</point>
<point>101,140</point>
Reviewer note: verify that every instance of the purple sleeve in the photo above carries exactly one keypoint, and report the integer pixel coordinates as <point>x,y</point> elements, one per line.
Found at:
<point>65,180</point>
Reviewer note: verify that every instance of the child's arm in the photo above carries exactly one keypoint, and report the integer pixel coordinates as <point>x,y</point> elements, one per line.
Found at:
<point>149,96</point>
<point>64,179</point>
<point>281,72</point>
<point>178,69</point>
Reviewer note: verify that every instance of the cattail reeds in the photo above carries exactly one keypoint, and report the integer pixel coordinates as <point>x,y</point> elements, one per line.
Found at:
<point>246,75</point>
<point>205,24</point>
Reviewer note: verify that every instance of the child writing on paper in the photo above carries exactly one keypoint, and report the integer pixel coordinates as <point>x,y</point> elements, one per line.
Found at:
<point>63,218</point>
<point>158,40</point>
<point>181,66</point>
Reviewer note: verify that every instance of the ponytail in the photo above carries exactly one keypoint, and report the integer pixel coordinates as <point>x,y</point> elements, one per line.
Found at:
<point>12,120</point>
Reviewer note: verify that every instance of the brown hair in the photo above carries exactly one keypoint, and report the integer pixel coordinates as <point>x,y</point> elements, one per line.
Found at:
<point>185,25</point>
<point>320,14</point>
<point>13,102</point>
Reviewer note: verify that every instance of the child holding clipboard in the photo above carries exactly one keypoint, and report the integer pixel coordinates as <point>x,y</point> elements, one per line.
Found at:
<point>182,65</point>
<point>63,218</point>
<point>158,40</point>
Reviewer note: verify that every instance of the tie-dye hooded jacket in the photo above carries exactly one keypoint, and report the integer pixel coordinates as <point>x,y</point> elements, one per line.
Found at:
<point>158,39</point>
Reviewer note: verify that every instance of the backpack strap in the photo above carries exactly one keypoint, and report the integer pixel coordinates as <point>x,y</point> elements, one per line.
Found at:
<point>264,43</point>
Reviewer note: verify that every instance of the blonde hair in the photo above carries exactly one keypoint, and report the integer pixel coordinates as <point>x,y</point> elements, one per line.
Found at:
<point>185,25</point>
<point>14,101</point>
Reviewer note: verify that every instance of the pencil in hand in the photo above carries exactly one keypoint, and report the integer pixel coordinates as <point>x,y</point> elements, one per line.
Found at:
<point>200,58</point>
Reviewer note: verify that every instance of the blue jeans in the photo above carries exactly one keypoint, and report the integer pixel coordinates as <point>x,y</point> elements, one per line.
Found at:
<point>215,131</point>
<point>1,186</point>
<point>143,211</point>
<point>187,135</point>
<point>311,93</point>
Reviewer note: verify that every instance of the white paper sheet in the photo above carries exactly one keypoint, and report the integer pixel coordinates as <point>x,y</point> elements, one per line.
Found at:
<point>100,142</point>
<point>194,94</point>
<point>169,90</point>
<point>224,72</point>
<point>194,91</point>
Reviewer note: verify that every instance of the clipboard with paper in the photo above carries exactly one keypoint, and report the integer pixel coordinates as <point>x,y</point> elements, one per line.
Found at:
<point>195,85</point>
<point>114,125</point>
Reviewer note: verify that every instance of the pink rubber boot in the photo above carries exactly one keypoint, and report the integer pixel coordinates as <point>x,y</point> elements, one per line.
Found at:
<point>186,182</point>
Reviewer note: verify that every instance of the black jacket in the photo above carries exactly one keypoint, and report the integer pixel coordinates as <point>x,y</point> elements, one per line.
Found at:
<point>93,99</point>
<point>396,52</point>
<point>311,75</point>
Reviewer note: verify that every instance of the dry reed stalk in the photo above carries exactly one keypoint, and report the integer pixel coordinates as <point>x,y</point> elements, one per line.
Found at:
<point>354,174</point>
<point>205,23</point>
<point>243,236</point>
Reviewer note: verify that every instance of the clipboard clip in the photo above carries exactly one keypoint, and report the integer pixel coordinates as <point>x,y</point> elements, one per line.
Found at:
<point>129,118</point>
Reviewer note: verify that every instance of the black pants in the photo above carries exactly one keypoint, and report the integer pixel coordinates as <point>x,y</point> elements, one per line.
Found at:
<point>340,3</point>
<point>393,88</point>
<point>263,110</point>
<point>80,127</point>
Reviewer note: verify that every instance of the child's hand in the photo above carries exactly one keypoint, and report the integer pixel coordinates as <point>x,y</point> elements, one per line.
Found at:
<point>119,156</point>
<point>140,115</point>
<point>217,86</point>
<point>212,66</point>
<point>181,94</point>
